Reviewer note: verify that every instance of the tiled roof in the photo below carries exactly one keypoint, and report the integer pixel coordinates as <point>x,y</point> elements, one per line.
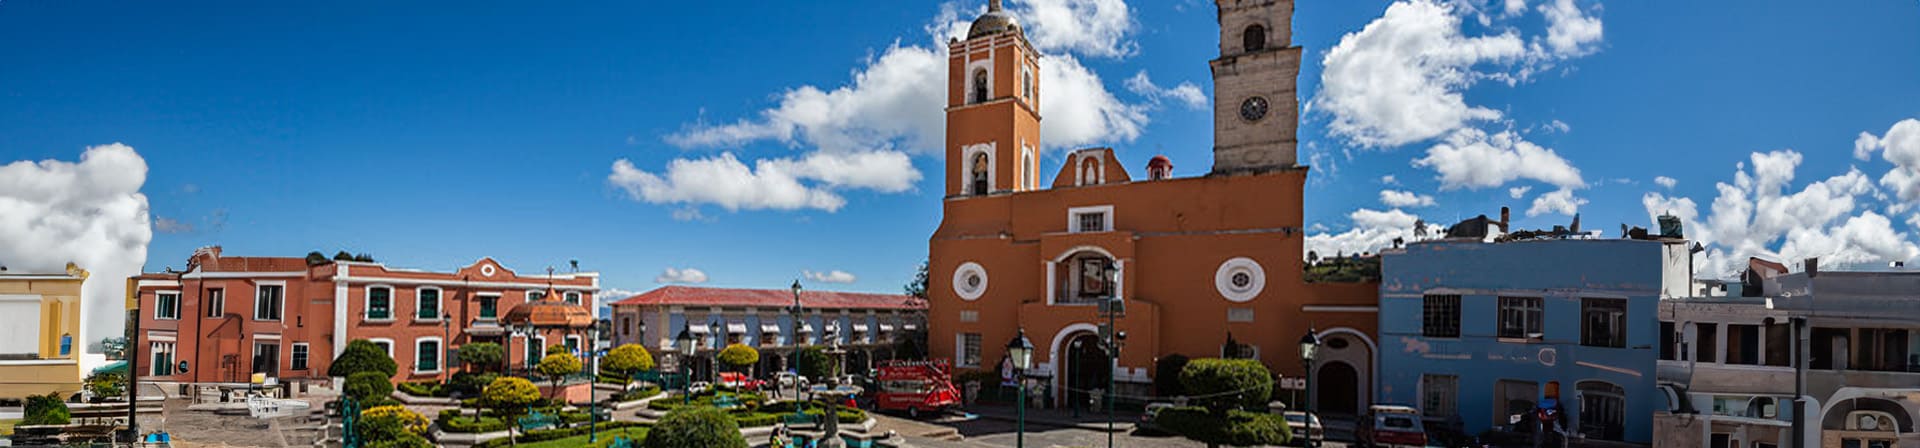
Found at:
<point>255,264</point>
<point>701,296</point>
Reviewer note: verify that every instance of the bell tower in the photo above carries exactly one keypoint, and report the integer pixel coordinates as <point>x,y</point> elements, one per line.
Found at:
<point>1255,106</point>
<point>993,109</point>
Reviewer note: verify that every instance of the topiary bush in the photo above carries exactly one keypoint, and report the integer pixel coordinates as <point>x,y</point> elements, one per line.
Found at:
<point>46,410</point>
<point>1238,428</point>
<point>467,384</point>
<point>391,423</point>
<point>754,419</point>
<point>424,389</point>
<point>739,356</point>
<point>1222,384</point>
<point>364,386</point>
<point>696,427</point>
<point>362,355</point>
<point>626,359</point>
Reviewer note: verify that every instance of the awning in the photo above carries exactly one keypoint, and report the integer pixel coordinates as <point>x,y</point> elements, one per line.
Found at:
<point>910,327</point>
<point>769,328</point>
<point>736,328</point>
<point>860,327</point>
<point>697,329</point>
<point>805,328</point>
<point>886,328</point>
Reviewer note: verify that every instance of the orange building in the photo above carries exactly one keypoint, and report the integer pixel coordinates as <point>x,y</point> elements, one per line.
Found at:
<point>1196,261</point>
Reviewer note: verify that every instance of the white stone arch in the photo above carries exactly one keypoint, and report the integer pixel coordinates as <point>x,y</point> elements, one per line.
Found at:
<point>973,68</point>
<point>1120,266</point>
<point>1099,165</point>
<point>967,155</point>
<point>1364,365</point>
<point>1055,348</point>
<point>1029,172</point>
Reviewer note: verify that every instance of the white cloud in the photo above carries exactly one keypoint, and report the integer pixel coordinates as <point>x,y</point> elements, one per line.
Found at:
<point>1758,215</point>
<point>681,275</point>
<point>1389,180</point>
<point>170,225</point>
<point>1901,146</point>
<point>1470,158</point>
<point>1665,181</point>
<point>1519,192</point>
<point>1372,230</point>
<point>1405,199</point>
<point>889,103</point>
<point>90,213</point>
<point>1186,93</point>
<point>607,296</point>
<point>1865,145</point>
<point>1561,201</point>
<point>1559,126</point>
<point>770,184</point>
<point>1515,7</point>
<point>833,276</point>
<point>1399,79</point>
<point>1570,31</point>
<point>1078,108</point>
<point>1091,27</point>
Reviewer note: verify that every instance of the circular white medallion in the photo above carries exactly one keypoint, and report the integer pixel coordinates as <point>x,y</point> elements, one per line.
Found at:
<point>486,270</point>
<point>1240,279</point>
<point>970,281</point>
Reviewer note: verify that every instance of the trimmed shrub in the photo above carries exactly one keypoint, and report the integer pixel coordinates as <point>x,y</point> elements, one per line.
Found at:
<point>469,384</point>
<point>468,424</point>
<point>364,386</point>
<point>739,355</point>
<point>46,410</point>
<point>423,389</point>
<point>753,419</point>
<point>362,355</point>
<point>556,434</point>
<point>626,359</point>
<point>699,426</point>
<point>1227,383</point>
<point>638,393</point>
<point>481,355</point>
<point>845,415</point>
<point>1239,428</point>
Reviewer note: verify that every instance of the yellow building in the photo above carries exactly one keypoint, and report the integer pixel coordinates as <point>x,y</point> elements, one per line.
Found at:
<point>39,333</point>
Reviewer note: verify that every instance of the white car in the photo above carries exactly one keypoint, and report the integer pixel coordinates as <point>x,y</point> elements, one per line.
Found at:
<point>699,387</point>
<point>787,380</point>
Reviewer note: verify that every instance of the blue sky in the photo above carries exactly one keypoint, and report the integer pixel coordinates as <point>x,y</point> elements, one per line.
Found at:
<point>434,134</point>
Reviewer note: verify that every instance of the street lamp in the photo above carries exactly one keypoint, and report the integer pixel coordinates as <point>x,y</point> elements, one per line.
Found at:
<point>446,341</point>
<point>793,359</point>
<point>1309,348</point>
<point>593,356</point>
<point>1114,307</point>
<point>713,327</point>
<point>1020,350</point>
<point>684,343</point>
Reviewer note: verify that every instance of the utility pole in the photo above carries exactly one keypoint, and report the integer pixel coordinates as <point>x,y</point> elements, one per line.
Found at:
<point>1799,383</point>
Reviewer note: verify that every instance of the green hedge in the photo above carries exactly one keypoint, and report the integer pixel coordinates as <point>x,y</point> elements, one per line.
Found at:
<point>451,421</point>
<point>751,419</point>
<point>846,415</point>
<point>556,434</point>
<point>424,389</point>
<point>1240,428</point>
<point>635,394</point>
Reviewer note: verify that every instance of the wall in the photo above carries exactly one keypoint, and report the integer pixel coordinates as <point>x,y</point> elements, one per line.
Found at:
<point>1561,272</point>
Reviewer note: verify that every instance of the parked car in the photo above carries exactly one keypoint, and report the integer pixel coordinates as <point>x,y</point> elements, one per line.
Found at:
<point>741,381</point>
<point>1390,426</point>
<point>699,387</point>
<point>1147,416</point>
<point>1306,429</point>
<point>788,380</point>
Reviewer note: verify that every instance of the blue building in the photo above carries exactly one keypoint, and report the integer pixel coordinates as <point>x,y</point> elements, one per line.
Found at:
<point>1478,331</point>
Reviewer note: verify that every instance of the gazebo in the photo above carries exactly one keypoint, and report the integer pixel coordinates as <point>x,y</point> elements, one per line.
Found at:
<point>550,315</point>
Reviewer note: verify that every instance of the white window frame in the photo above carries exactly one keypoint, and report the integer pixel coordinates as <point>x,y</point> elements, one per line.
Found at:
<point>532,293</point>
<point>366,305</point>
<point>153,357</point>
<point>578,343</point>
<point>439,355</point>
<point>960,350</point>
<point>481,297</point>
<point>1029,173</point>
<point>573,297</point>
<point>976,67</point>
<point>261,284</point>
<point>215,302</point>
<point>386,341</point>
<point>157,308</point>
<point>439,303</point>
<point>1073,217</point>
<point>297,351</point>
<point>542,344</point>
<point>966,167</point>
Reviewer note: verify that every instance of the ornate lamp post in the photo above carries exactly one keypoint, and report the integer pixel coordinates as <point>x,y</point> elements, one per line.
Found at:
<point>446,345</point>
<point>1309,348</point>
<point>593,356</point>
<point>793,360</point>
<point>684,343</point>
<point>1020,351</point>
<point>1114,308</point>
<point>719,338</point>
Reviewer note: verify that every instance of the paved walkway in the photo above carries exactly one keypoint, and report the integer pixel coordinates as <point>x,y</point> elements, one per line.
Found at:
<point>1122,421</point>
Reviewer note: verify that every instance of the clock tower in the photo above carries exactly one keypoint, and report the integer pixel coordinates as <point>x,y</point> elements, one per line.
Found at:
<point>1255,106</point>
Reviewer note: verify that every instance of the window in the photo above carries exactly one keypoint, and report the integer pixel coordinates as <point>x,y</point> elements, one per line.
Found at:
<point>979,175</point>
<point>573,297</point>
<point>1093,277</point>
<point>536,349</point>
<point>535,296</point>
<point>427,302</point>
<point>626,325</point>
<point>1440,316</point>
<point>1881,349</point>
<point>266,358</point>
<point>379,303</point>
<point>1667,341</point>
<point>1513,399</point>
<point>970,349</point>
<point>267,302</point>
<point>1026,171</point>
<point>573,344</point>
<point>385,345</point>
<point>426,354</point>
<point>1520,317</point>
<point>1743,344</point>
<point>216,303</point>
<point>1093,222</point>
<point>980,86</point>
<point>1254,38</point>
<point>1779,345</point>
<point>1706,342</point>
<point>1026,83</point>
<point>166,305</point>
<point>300,356</point>
<point>490,307</point>
<point>1603,323</point>
<point>1439,394</point>
<point>162,355</point>
<point>1602,410</point>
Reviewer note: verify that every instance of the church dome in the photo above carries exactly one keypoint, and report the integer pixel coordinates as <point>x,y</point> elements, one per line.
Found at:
<point>994,21</point>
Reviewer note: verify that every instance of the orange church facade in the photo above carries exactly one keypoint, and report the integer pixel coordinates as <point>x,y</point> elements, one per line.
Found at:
<point>1194,260</point>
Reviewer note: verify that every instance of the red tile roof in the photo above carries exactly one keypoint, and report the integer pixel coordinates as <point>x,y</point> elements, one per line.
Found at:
<point>702,296</point>
<point>255,264</point>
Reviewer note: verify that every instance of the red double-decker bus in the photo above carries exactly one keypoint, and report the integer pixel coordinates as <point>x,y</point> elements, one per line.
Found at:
<point>916,387</point>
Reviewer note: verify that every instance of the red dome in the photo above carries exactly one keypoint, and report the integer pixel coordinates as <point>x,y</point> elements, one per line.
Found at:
<point>1160,162</point>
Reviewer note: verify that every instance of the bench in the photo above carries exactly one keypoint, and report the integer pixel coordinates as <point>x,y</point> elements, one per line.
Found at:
<point>537,421</point>
<point>725,402</point>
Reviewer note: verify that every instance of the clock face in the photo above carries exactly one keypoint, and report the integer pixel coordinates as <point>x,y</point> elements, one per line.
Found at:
<point>1253,109</point>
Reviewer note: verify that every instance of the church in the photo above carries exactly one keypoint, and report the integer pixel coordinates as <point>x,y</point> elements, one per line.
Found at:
<point>1201,266</point>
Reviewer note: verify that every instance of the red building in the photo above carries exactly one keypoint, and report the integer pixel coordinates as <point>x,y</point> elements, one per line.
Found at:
<point>225,318</point>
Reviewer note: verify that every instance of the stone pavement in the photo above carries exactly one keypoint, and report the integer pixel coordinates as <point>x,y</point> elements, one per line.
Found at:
<point>1122,421</point>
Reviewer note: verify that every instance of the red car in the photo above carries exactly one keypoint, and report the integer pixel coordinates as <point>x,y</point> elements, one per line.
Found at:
<point>741,381</point>
<point>1389,425</point>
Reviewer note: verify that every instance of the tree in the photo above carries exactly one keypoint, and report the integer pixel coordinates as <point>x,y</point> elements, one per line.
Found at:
<point>557,366</point>
<point>342,256</point>
<point>814,363</point>
<point>911,345</point>
<point>627,359</point>
<point>918,287</point>
<point>46,410</point>
<point>1223,384</point>
<point>1166,375</point>
<point>509,397</point>
<point>482,355</point>
<point>739,355</point>
<point>315,258</point>
<point>700,426</point>
<point>392,426</point>
<point>362,355</point>
<point>368,386</point>
<point>107,383</point>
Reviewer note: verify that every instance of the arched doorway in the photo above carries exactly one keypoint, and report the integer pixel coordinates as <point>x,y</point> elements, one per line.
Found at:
<point>1337,389</point>
<point>1087,369</point>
